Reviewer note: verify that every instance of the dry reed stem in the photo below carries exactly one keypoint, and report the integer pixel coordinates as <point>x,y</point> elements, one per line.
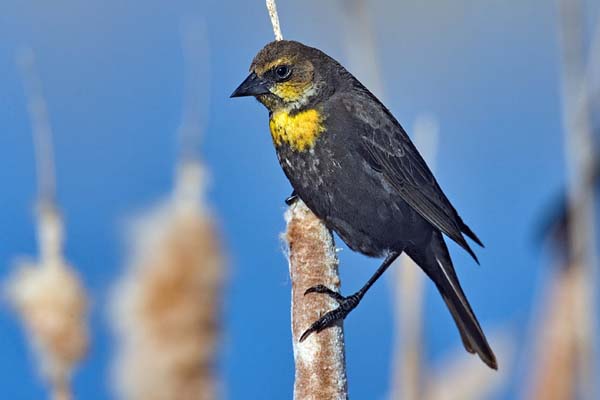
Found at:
<point>196,90</point>
<point>554,371</point>
<point>408,283</point>
<point>581,160</point>
<point>409,293</point>
<point>361,46</point>
<point>465,378</point>
<point>53,306</point>
<point>320,359</point>
<point>42,131</point>
<point>166,307</point>
<point>48,294</point>
<point>272,8</point>
<point>409,290</point>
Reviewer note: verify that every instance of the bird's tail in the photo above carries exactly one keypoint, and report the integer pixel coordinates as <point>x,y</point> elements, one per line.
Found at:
<point>435,261</point>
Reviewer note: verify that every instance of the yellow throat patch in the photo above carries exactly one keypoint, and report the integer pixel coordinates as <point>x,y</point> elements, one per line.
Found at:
<point>300,131</point>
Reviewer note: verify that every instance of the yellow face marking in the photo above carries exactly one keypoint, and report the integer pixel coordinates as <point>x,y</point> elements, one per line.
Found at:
<point>290,91</point>
<point>300,131</point>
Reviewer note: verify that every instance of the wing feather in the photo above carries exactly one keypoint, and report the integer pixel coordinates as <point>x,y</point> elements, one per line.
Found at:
<point>387,149</point>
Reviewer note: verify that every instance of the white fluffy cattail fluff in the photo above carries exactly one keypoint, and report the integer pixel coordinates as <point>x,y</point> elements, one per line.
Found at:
<point>52,304</point>
<point>166,305</point>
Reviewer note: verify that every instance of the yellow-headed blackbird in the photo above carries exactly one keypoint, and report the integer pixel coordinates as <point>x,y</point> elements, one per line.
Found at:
<point>355,167</point>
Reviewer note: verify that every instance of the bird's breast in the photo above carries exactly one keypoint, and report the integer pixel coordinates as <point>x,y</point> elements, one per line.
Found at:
<point>299,131</point>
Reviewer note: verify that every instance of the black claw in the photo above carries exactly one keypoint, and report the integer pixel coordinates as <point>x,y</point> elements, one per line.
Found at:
<point>306,334</point>
<point>347,304</point>
<point>325,290</point>
<point>320,324</point>
<point>291,199</point>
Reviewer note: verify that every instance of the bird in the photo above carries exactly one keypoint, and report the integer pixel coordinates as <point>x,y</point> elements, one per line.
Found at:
<point>354,166</point>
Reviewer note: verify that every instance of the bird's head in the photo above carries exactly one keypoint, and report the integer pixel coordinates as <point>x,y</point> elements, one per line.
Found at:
<point>286,75</point>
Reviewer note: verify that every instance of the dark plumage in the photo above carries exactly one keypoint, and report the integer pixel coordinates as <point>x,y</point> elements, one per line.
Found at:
<point>355,167</point>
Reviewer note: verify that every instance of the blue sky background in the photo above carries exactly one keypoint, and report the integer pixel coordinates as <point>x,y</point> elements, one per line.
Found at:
<point>112,73</point>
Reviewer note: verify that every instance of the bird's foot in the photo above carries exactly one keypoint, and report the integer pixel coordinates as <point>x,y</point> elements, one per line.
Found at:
<point>347,304</point>
<point>291,199</point>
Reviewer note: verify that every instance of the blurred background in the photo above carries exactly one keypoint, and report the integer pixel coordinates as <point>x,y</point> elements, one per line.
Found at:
<point>491,75</point>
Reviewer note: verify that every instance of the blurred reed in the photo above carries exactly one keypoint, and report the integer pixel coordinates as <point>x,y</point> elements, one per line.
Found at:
<point>581,160</point>
<point>360,44</point>
<point>47,293</point>
<point>407,379</point>
<point>564,364</point>
<point>553,373</point>
<point>408,279</point>
<point>166,306</point>
<point>459,377</point>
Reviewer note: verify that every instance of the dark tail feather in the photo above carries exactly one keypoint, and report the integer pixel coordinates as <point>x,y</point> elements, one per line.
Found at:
<point>463,243</point>
<point>435,261</point>
<point>467,231</point>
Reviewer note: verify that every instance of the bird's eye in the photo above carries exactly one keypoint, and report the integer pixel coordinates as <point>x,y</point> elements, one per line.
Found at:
<point>282,72</point>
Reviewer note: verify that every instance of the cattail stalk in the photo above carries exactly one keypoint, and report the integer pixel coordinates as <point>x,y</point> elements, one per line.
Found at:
<point>166,306</point>
<point>555,353</point>
<point>460,377</point>
<point>407,379</point>
<point>564,359</point>
<point>409,374</point>
<point>360,44</point>
<point>272,9</point>
<point>320,359</point>
<point>48,294</point>
<point>408,283</point>
<point>53,306</point>
<point>580,161</point>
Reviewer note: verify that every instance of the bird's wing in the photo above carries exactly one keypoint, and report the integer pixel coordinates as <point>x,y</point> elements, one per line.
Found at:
<point>387,148</point>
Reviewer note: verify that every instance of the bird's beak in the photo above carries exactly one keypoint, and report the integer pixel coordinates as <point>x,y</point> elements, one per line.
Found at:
<point>252,86</point>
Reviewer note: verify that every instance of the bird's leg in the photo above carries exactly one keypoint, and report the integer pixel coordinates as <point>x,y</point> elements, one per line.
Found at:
<point>347,304</point>
<point>292,198</point>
